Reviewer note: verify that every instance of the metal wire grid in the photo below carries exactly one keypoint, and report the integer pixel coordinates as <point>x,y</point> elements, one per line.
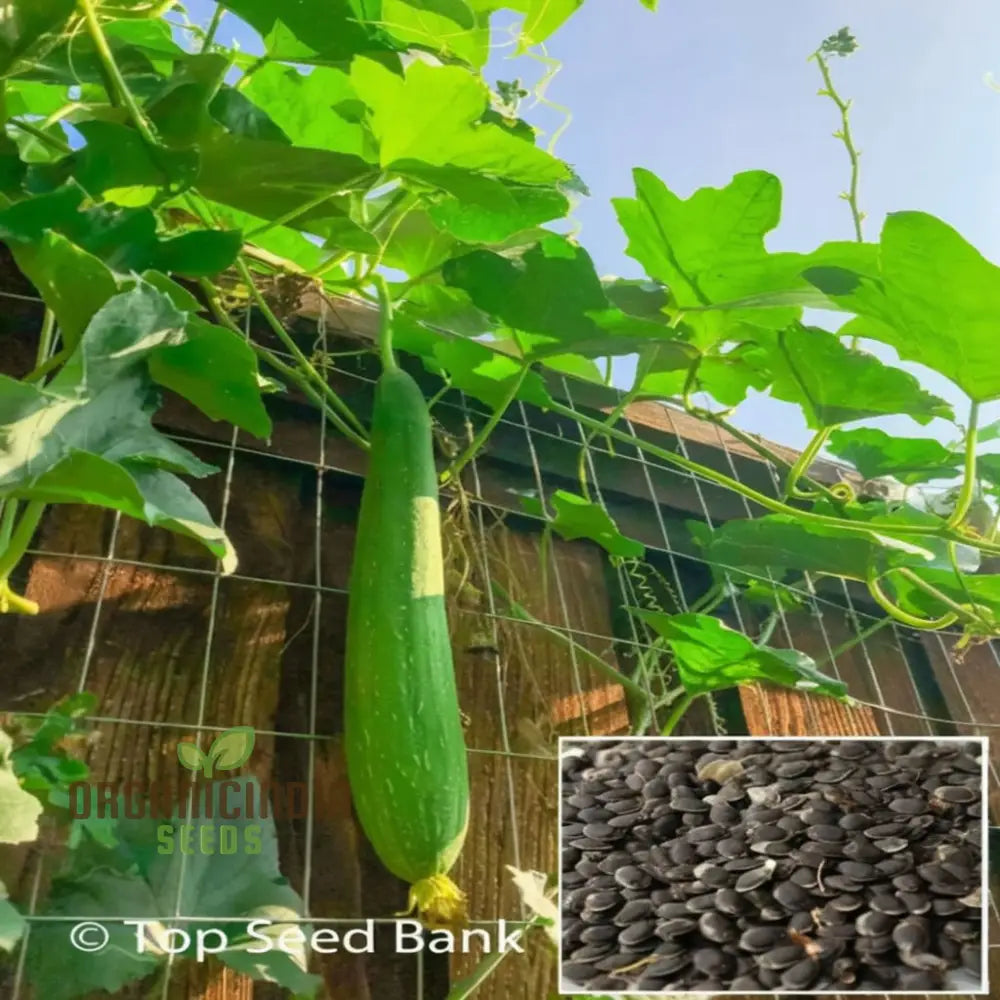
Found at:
<point>319,589</point>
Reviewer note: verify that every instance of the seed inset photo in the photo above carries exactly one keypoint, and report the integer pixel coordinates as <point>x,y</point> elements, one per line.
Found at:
<point>772,865</point>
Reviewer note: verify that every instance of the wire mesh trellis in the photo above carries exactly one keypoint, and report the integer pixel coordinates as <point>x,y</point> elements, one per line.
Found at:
<point>328,462</point>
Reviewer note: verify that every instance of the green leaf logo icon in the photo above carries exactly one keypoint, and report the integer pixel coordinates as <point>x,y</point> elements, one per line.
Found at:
<point>191,756</point>
<point>230,750</point>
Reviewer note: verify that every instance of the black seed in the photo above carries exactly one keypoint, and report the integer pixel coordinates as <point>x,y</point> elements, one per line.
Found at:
<point>637,909</point>
<point>642,930</point>
<point>631,877</point>
<point>782,957</point>
<point>801,975</point>
<point>755,878</point>
<point>578,972</point>
<point>908,807</point>
<point>761,939</point>
<point>715,927</point>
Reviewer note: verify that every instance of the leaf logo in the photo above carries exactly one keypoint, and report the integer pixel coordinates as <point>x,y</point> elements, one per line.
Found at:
<point>230,750</point>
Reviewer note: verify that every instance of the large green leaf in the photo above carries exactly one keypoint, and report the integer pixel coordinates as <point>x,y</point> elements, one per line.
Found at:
<point>473,368</point>
<point>577,517</point>
<point>180,108</point>
<point>709,250</point>
<point>73,283</point>
<point>154,869</point>
<point>271,180</point>
<point>116,160</point>
<point>781,541</point>
<point>217,371</point>
<point>834,384</point>
<point>935,300</point>
<point>448,27</point>
<point>19,810</point>
<point>304,107</point>
<point>333,29</point>
<point>910,460</point>
<point>712,657</point>
<point>431,116</point>
<point>478,209</point>
<point>692,245</point>
<point>24,25</point>
<point>88,436</point>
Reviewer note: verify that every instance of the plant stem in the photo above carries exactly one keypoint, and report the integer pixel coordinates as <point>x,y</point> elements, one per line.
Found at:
<point>389,363</point>
<point>18,540</point>
<point>46,337</point>
<point>844,107</point>
<point>213,27</point>
<point>9,508</point>
<point>853,641</point>
<point>283,335</point>
<point>456,467</point>
<point>804,462</point>
<point>766,453</point>
<point>20,537</point>
<point>107,60</point>
<point>675,715</point>
<point>300,378</point>
<point>968,489</point>
<point>43,137</point>
<point>768,503</point>
<point>892,609</point>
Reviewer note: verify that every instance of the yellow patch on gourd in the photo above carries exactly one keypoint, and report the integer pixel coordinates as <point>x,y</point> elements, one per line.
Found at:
<point>428,566</point>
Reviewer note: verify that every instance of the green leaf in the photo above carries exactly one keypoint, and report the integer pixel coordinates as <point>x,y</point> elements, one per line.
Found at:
<point>304,108</point>
<point>216,370</point>
<point>24,25</point>
<point>935,300</point>
<point>27,221</point>
<point>116,157</point>
<point>834,384</point>
<point>448,27</point>
<point>692,245</point>
<point>578,517</point>
<point>541,18</point>
<point>272,180</point>
<point>549,291</point>
<point>330,28</point>
<point>237,114</point>
<point>197,254</point>
<point>19,810</point>
<point>477,209</point>
<point>431,116</point>
<point>145,875</point>
<point>23,97</point>
<point>191,756</point>
<point>232,748</point>
<point>12,924</point>
<point>910,460</point>
<point>781,541</point>
<point>73,283</point>
<point>178,294</point>
<point>179,110</point>
<point>88,437</point>
<point>712,657</point>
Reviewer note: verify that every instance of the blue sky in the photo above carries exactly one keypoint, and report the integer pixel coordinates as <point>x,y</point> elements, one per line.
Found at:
<point>698,92</point>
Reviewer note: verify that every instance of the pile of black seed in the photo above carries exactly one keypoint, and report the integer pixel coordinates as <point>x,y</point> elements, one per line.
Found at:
<point>770,864</point>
